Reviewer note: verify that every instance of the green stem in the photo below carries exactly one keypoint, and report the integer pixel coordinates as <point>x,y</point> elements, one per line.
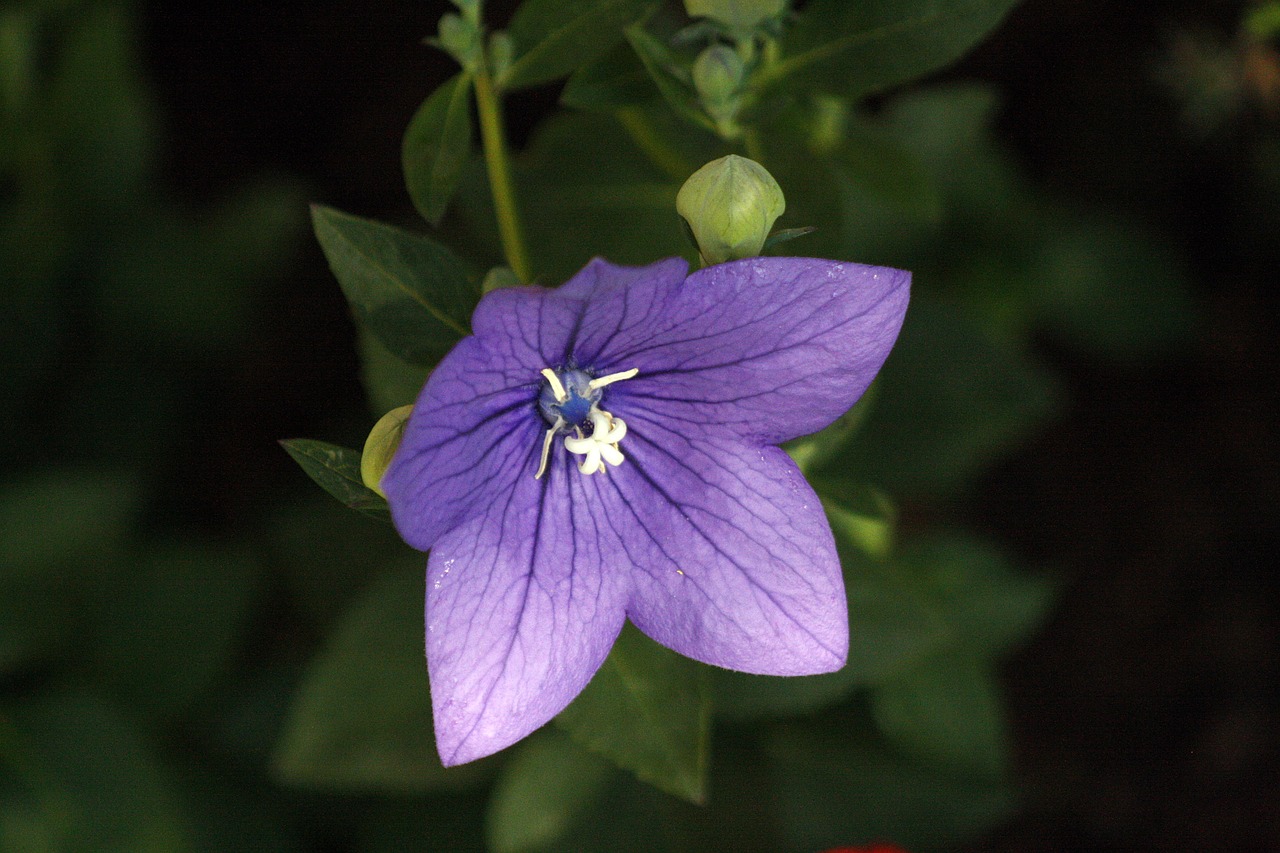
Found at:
<point>494,140</point>
<point>754,148</point>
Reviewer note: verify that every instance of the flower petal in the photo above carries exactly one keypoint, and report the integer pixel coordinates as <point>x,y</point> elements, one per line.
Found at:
<point>733,561</point>
<point>771,348</point>
<point>475,427</point>
<point>523,603</point>
<point>599,277</point>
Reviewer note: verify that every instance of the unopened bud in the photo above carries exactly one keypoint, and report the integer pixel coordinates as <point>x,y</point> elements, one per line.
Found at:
<point>460,38</point>
<point>740,17</point>
<point>381,445</point>
<point>717,75</point>
<point>730,205</point>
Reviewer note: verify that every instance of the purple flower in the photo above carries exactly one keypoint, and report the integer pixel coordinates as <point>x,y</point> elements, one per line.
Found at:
<point>608,451</point>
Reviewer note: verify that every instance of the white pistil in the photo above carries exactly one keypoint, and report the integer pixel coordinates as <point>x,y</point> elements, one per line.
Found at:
<point>556,388</point>
<point>601,446</point>
<point>610,379</point>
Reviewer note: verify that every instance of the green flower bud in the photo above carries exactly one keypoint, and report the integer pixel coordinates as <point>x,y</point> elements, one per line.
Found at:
<point>460,38</point>
<point>730,205</point>
<point>470,9</point>
<point>497,278</point>
<point>717,75</point>
<point>740,17</point>
<point>381,445</point>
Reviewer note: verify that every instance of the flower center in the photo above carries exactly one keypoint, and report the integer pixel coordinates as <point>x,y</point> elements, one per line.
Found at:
<point>570,404</point>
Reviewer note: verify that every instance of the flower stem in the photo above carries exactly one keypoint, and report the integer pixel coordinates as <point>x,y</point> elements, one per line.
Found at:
<point>496,159</point>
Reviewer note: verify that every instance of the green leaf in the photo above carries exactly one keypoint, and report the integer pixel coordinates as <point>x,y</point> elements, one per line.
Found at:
<point>337,470</point>
<point>553,38</point>
<point>436,147</point>
<point>389,382</point>
<point>617,79</point>
<point>665,71</point>
<point>856,49</point>
<point>408,290</point>
<point>361,719</point>
<point>838,785</point>
<point>542,791</point>
<point>171,626</point>
<point>989,606</point>
<point>78,777</point>
<point>884,169</point>
<point>946,711</point>
<point>611,199</point>
<point>648,711</point>
<point>865,521</point>
<point>786,235</point>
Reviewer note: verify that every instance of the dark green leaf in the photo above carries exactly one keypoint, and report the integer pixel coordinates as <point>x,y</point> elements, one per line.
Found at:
<point>612,199</point>
<point>837,785</point>
<point>648,711</point>
<point>437,145</point>
<point>323,552</point>
<point>337,470</point>
<point>946,711</point>
<point>388,381</point>
<point>548,785</point>
<point>989,606</point>
<point>786,235</point>
<point>361,719</point>
<point>408,290</point>
<point>553,38</point>
<point>617,79</point>
<point>855,49</point>
<point>885,170</point>
<point>78,777</point>
<point>664,70</point>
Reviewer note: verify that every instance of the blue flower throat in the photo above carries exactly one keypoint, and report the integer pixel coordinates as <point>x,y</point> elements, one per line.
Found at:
<point>580,398</point>
<point>570,404</point>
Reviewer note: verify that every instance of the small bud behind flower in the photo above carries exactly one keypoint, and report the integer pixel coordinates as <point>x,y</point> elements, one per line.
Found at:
<point>460,38</point>
<point>497,278</point>
<point>730,205</point>
<point>381,445</point>
<point>718,75</point>
<point>741,17</point>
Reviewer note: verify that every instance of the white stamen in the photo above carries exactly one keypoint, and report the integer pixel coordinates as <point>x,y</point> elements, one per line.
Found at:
<point>546,448</point>
<point>601,446</point>
<point>600,449</point>
<point>602,381</point>
<point>556,387</point>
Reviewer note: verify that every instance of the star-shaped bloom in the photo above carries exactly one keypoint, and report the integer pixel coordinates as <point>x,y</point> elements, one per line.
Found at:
<point>607,450</point>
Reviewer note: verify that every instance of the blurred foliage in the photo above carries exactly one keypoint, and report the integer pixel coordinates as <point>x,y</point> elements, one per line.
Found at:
<point>121,307</point>
<point>173,684</point>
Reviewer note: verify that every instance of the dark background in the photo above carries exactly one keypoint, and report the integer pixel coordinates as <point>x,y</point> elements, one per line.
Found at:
<point>1145,715</point>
